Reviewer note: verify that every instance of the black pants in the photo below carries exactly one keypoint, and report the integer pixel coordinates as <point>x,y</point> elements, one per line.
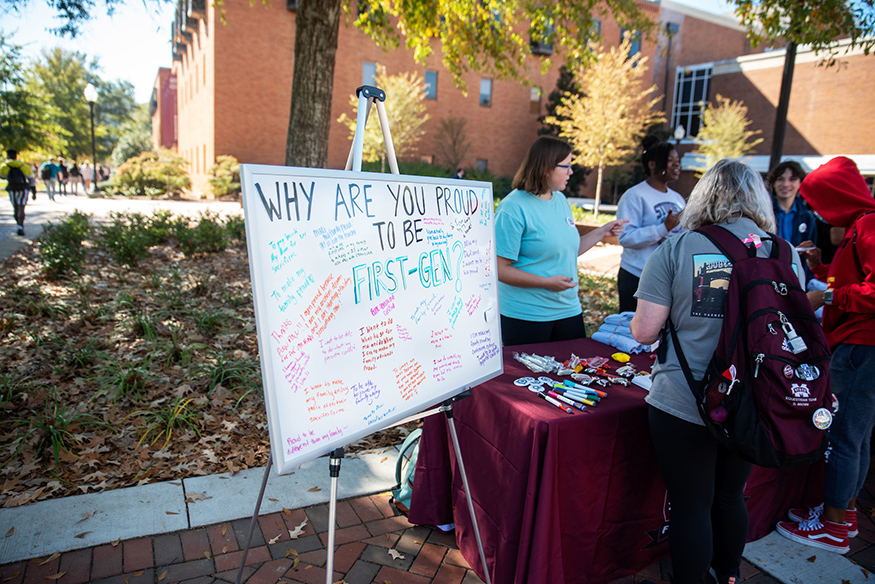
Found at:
<point>526,332</point>
<point>708,522</point>
<point>19,201</point>
<point>627,285</point>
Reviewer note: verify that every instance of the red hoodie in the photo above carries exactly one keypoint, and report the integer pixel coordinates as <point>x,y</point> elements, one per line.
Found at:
<point>838,193</point>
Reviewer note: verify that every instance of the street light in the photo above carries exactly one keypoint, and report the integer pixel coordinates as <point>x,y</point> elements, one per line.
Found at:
<point>679,134</point>
<point>91,96</point>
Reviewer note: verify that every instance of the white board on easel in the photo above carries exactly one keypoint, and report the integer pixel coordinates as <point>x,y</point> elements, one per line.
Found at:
<point>375,297</point>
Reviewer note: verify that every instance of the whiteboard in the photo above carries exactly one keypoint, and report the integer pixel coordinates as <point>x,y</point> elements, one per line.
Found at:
<point>375,298</point>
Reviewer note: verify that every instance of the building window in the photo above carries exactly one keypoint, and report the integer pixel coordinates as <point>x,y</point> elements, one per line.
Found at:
<point>690,92</point>
<point>481,165</point>
<point>540,46</point>
<point>634,38</point>
<point>596,28</point>
<point>369,73</point>
<point>486,92</point>
<point>431,85</point>
<point>535,100</point>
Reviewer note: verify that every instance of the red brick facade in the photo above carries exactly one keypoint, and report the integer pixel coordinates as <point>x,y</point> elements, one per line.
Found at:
<point>234,84</point>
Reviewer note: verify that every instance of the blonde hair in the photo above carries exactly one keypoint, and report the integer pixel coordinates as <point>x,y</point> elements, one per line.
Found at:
<point>729,189</point>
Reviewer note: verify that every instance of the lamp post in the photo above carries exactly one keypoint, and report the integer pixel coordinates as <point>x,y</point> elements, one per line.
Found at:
<point>91,96</point>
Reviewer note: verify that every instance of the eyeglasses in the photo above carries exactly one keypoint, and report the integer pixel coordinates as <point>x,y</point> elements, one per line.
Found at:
<point>567,167</point>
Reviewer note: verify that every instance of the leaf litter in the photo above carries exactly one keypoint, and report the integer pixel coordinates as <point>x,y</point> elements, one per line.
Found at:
<point>46,323</point>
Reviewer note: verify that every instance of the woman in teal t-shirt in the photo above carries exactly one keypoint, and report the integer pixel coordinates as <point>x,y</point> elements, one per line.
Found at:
<point>537,245</point>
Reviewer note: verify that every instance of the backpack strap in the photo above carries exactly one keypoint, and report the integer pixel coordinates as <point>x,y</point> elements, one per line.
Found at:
<point>682,359</point>
<point>735,250</point>
<point>409,442</point>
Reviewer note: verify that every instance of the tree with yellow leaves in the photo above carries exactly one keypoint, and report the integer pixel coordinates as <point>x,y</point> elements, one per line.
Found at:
<point>605,122</point>
<point>405,110</point>
<point>724,132</point>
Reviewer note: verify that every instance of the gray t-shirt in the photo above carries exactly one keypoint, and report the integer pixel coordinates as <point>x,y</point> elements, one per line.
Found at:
<point>690,275</point>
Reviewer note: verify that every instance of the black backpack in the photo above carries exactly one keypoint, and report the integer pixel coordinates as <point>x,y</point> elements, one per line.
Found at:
<point>16,181</point>
<point>766,394</point>
<point>45,172</point>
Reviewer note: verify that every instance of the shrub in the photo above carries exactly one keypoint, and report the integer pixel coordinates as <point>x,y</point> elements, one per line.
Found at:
<point>209,235</point>
<point>61,251</point>
<point>225,177</point>
<point>152,174</point>
<point>126,237</point>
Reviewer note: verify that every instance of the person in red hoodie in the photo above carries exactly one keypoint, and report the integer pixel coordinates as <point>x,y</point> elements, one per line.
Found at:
<point>838,193</point>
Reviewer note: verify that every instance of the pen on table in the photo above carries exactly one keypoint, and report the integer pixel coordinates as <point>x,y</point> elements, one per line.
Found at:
<point>586,398</point>
<point>571,402</point>
<point>585,388</point>
<point>584,392</point>
<point>565,409</point>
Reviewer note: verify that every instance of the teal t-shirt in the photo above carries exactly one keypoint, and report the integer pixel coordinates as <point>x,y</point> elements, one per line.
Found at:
<point>538,237</point>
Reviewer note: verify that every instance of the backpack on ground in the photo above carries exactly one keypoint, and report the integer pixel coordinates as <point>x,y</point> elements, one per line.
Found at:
<point>16,181</point>
<point>404,469</point>
<point>45,172</point>
<point>766,394</point>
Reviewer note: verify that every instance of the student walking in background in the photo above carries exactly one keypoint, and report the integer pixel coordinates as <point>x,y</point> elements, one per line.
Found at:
<point>75,177</point>
<point>839,194</point>
<point>63,176</point>
<point>17,174</point>
<point>49,175</point>
<point>87,172</point>
<point>653,211</point>
<point>537,244</point>
<point>705,480</point>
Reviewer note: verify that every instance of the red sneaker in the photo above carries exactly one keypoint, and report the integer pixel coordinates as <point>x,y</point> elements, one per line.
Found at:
<point>825,535</point>
<point>799,515</point>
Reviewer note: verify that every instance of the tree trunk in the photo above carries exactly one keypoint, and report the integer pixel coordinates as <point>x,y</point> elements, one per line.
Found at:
<point>317,24</point>
<point>598,191</point>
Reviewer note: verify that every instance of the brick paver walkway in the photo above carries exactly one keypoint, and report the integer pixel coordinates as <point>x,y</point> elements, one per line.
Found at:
<point>367,530</point>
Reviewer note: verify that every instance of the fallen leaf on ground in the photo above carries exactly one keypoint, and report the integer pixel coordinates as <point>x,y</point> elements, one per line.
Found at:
<point>177,483</point>
<point>10,532</point>
<point>274,540</point>
<point>307,567</point>
<point>866,573</point>
<point>87,516</point>
<point>812,558</point>
<point>115,543</point>
<point>56,576</point>
<point>291,552</point>
<point>296,562</point>
<point>417,541</point>
<point>272,499</point>
<point>224,549</point>
<point>54,556</point>
<point>385,458</point>
<point>207,555</point>
<point>287,511</point>
<point>298,530</point>
<point>163,575</point>
<point>224,529</point>
<point>81,535</point>
<point>396,555</point>
<point>314,489</point>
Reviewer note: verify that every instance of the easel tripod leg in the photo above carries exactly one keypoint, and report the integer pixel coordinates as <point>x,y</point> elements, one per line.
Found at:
<point>334,470</point>
<point>448,412</point>
<point>254,518</point>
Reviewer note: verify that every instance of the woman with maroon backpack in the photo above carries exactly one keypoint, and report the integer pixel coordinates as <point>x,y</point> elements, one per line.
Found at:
<point>838,193</point>
<point>686,279</point>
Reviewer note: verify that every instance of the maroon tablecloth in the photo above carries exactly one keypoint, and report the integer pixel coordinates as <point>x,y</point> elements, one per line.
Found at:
<point>565,497</point>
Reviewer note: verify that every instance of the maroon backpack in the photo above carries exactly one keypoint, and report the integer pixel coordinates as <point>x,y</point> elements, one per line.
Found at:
<point>766,394</point>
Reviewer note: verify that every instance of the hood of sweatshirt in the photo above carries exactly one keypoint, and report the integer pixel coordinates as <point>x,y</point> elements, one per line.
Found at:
<point>837,192</point>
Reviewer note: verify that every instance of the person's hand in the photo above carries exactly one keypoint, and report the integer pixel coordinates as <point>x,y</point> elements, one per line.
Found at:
<point>815,297</point>
<point>811,255</point>
<point>560,283</point>
<point>671,220</point>
<point>614,228</point>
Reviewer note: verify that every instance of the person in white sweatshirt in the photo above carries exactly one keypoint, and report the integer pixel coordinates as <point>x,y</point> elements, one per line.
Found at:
<point>653,211</point>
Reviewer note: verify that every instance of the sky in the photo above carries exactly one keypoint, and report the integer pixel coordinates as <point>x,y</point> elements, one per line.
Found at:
<point>133,43</point>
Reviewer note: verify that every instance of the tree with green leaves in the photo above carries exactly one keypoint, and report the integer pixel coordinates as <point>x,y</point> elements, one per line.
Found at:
<point>605,122</point>
<point>134,135</point>
<point>61,76</point>
<point>405,110</point>
<point>27,120</point>
<point>451,142</point>
<point>724,132</point>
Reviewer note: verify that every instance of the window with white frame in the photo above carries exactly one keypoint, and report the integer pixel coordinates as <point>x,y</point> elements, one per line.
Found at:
<point>430,84</point>
<point>690,92</point>
<point>486,92</point>
<point>535,100</point>
<point>369,72</point>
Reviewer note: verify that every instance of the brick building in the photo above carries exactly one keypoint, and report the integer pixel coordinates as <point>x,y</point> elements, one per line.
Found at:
<point>233,86</point>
